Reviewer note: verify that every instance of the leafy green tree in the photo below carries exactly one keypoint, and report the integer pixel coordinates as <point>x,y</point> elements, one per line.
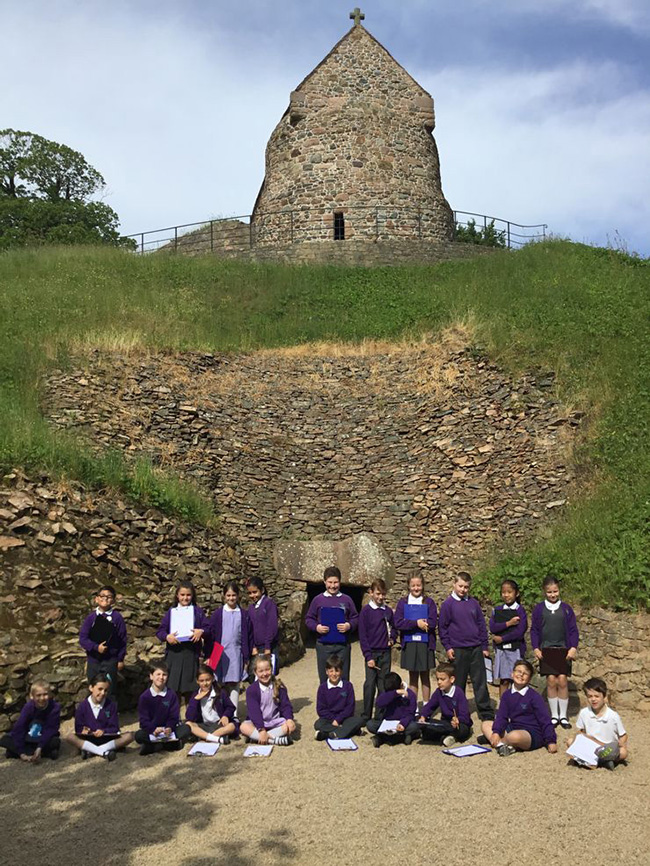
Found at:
<point>489,236</point>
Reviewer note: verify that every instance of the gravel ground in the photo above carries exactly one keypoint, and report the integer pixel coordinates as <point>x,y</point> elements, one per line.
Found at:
<point>306,804</point>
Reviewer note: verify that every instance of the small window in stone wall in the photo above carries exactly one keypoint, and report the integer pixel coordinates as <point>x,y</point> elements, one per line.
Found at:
<point>339,226</point>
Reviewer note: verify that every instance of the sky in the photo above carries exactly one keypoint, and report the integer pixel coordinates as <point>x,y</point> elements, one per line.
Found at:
<point>542,108</point>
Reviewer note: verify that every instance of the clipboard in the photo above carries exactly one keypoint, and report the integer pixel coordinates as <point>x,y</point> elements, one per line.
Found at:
<point>489,675</point>
<point>181,622</point>
<point>203,750</point>
<point>101,631</point>
<point>415,611</point>
<point>257,751</point>
<point>342,745</point>
<point>466,751</point>
<point>332,616</point>
<point>215,656</point>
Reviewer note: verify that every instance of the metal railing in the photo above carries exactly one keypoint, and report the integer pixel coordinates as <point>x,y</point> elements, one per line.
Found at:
<point>287,227</point>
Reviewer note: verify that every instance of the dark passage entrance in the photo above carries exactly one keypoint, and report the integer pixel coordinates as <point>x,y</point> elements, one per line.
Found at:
<point>356,593</point>
<point>339,226</point>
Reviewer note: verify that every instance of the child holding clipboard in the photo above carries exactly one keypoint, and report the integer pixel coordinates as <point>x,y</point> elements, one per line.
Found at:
<point>416,616</point>
<point>103,637</point>
<point>182,630</point>
<point>333,616</point>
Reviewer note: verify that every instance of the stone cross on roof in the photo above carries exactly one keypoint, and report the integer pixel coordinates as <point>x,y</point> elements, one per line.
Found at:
<point>357,15</point>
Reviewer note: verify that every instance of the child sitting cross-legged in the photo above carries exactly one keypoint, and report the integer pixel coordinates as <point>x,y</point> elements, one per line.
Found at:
<point>96,723</point>
<point>600,723</point>
<point>211,714</point>
<point>396,704</point>
<point>455,724</point>
<point>335,705</point>
<point>270,714</point>
<point>36,733</point>
<point>159,712</point>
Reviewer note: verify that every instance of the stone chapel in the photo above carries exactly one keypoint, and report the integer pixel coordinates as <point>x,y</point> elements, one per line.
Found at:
<point>353,158</point>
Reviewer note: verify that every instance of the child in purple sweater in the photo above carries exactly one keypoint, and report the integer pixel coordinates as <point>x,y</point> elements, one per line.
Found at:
<point>36,733</point>
<point>376,636</point>
<point>455,724</point>
<point>462,630</point>
<point>396,704</point>
<point>508,626</point>
<point>182,651</point>
<point>96,723</point>
<point>159,712</point>
<point>270,714</point>
<point>103,637</point>
<point>263,615</point>
<point>523,722</point>
<point>335,705</point>
<point>211,714</point>
<point>337,637</point>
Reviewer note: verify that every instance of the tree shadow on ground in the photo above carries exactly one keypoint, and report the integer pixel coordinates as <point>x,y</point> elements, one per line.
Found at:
<point>275,849</point>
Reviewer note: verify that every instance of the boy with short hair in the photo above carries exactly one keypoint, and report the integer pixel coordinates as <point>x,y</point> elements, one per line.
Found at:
<point>602,724</point>
<point>397,704</point>
<point>455,724</point>
<point>376,637</point>
<point>328,639</point>
<point>463,633</point>
<point>159,713</point>
<point>335,705</point>
<point>103,637</point>
<point>36,733</point>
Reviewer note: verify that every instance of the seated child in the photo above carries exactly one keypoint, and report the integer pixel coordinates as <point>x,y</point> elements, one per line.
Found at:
<point>455,724</point>
<point>523,721</point>
<point>159,712</point>
<point>602,724</point>
<point>210,714</point>
<point>335,705</point>
<point>397,703</point>
<point>36,733</point>
<point>270,714</point>
<point>96,723</point>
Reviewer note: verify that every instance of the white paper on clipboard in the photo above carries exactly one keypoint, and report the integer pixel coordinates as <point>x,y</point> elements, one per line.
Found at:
<point>182,622</point>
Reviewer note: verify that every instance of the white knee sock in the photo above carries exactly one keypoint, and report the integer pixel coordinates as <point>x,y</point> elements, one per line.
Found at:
<point>213,738</point>
<point>564,707</point>
<point>254,735</point>
<point>111,746</point>
<point>92,748</point>
<point>234,697</point>
<point>554,704</point>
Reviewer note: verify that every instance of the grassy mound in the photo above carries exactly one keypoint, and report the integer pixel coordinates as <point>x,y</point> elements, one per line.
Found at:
<point>579,311</point>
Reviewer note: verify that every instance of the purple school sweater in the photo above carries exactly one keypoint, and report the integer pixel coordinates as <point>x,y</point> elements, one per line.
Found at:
<point>254,707</point>
<point>335,704</point>
<point>223,705</point>
<point>462,624</point>
<point>448,705</point>
<point>373,631</point>
<point>515,632</point>
<point>106,721</point>
<point>264,624</point>
<point>48,719</point>
<point>116,648</point>
<point>342,600</point>
<point>528,711</point>
<point>159,711</point>
<point>200,621</point>
<point>391,706</point>
<point>408,626</point>
<point>571,635</point>
<point>215,630</point>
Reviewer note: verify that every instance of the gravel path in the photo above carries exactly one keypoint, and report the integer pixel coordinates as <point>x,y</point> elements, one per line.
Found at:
<point>308,805</point>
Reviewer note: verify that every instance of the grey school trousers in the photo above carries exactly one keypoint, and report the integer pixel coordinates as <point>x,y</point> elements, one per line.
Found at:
<point>375,678</point>
<point>325,650</point>
<point>470,661</point>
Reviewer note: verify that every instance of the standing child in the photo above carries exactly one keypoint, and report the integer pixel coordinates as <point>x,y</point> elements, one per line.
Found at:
<point>36,733</point>
<point>335,705</point>
<point>182,651</point>
<point>554,636</point>
<point>160,715</point>
<point>418,635</point>
<point>270,714</point>
<point>103,637</point>
<point>210,713</point>
<point>523,722</point>
<point>263,613</point>
<point>336,604</point>
<point>508,625</point>
<point>465,638</point>
<point>96,723</point>
<point>455,724</point>
<point>602,724</point>
<point>376,636</point>
<point>397,703</point>
<point>230,626</point>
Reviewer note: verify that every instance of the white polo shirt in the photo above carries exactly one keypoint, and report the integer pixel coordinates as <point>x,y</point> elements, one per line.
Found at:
<point>606,728</point>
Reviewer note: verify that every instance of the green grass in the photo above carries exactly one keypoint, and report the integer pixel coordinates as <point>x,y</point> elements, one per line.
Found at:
<point>580,311</point>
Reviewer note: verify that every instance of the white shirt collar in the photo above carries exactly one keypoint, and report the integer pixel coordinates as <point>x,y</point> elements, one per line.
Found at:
<point>93,704</point>
<point>376,606</point>
<point>458,598</point>
<point>517,691</point>
<point>107,613</point>
<point>232,609</point>
<point>258,603</point>
<point>156,694</point>
<point>512,606</point>
<point>451,691</point>
<point>413,600</point>
<point>332,595</point>
<point>339,685</point>
<point>552,607</point>
<point>266,688</point>
<point>210,697</point>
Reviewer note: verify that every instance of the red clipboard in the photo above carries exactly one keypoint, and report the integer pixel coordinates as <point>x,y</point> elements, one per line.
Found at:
<point>215,656</point>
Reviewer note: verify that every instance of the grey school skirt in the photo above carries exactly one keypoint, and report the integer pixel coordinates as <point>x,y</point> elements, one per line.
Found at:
<point>183,663</point>
<point>416,656</point>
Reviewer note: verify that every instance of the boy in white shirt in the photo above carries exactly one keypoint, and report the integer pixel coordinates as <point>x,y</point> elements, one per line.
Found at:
<point>602,724</point>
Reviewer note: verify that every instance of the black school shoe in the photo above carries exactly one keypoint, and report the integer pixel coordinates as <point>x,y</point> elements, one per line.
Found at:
<point>376,741</point>
<point>565,723</point>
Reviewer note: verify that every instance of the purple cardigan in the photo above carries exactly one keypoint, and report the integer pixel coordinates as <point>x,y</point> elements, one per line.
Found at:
<point>515,632</point>
<point>407,626</point>
<point>571,636</point>
<point>254,705</point>
<point>457,703</point>
<point>224,706</point>
<point>200,621</point>
<point>48,718</point>
<point>116,648</point>
<point>158,712</point>
<point>391,706</point>
<point>529,712</point>
<point>264,624</point>
<point>214,632</point>
<point>335,704</point>
<point>106,721</point>
<point>462,624</point>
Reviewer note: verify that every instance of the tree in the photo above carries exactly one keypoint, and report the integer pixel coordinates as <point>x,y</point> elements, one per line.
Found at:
<point>45,191</point>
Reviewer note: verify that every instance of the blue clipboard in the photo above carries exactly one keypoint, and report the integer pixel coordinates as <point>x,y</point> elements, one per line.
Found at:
<point>332,616</point>
<point>416,611</point>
